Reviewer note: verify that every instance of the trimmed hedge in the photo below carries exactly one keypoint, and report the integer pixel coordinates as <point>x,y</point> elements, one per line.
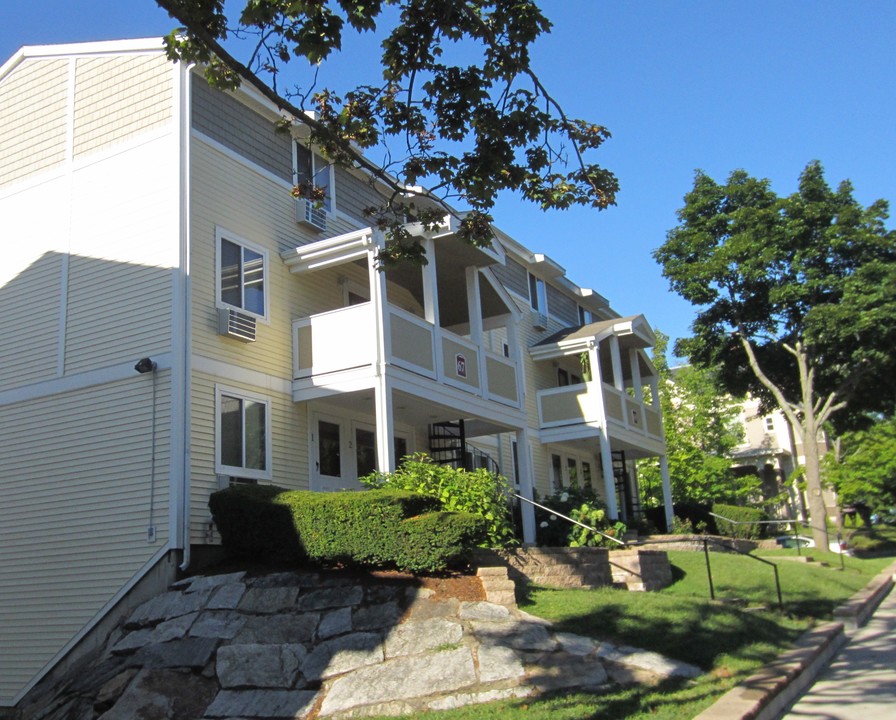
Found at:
<point>740,514</point>
<point>382,528</point>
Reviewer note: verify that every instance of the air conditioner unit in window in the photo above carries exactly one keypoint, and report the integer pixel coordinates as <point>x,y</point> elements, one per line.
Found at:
<point>307,213</point>
<point>539,320</point>
<point>237,325</point>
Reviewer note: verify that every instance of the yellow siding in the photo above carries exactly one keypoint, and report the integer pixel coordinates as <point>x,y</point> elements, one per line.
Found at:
<point>37,289</point>
<point>32,118</point>
<point>118,97</point>
<point>75,512</point>
<point>124,246</point>
<point>289,444</point>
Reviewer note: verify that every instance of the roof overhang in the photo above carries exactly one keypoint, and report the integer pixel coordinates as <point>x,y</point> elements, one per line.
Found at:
<point>634,331</point>
<point>330,251</point>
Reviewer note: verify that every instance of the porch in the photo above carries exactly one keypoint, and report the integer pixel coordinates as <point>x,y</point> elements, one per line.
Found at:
<point>598,391</point>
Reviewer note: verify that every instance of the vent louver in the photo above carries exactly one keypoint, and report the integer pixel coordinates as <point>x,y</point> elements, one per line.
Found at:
<point>307,213</point>
<point>236,325</point>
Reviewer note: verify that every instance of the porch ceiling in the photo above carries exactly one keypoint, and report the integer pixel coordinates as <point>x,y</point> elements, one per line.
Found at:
<point>412,410</point>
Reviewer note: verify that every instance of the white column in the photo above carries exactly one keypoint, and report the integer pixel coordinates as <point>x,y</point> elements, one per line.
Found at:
<point>667,490</point>
<point>655,393</point>
<point>474,313</point>
<point>636,375</point>
<point>527,483</point>
<point>606,457</point>
<point>385,421</point>
<point>616,363</point>
<point>431,302</point>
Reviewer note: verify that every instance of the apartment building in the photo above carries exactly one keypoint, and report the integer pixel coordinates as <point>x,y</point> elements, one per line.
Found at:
<point>172,320</point>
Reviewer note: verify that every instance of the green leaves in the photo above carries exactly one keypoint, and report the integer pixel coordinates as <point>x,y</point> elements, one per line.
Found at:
<point>810,267</point>
<point>459,108</point>
<point>478,492</point>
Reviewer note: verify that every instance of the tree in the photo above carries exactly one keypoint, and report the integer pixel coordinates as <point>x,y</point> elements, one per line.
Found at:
<point>468,129</point>
<point>864,469</point>
<point>797,302</point>
<point>699,425</point>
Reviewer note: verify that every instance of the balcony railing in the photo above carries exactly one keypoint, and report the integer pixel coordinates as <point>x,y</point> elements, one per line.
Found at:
<point>345,339</point>
<point>579,404</point>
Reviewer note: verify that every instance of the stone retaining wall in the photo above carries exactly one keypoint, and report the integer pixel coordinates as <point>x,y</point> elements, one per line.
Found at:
<point>635,569</point>
<point>303,645</point>
<point>717,543</point>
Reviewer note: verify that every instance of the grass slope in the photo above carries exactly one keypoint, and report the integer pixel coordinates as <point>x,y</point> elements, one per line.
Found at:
<point>729,638</point>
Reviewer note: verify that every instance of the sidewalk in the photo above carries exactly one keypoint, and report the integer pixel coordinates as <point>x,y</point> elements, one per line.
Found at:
<point>860,683</point>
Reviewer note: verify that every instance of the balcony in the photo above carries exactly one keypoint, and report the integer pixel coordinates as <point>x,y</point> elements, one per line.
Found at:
<point>346,339</point>
<point>574,407</point>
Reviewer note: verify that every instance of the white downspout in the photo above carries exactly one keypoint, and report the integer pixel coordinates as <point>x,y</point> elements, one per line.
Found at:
<point>185,372</point>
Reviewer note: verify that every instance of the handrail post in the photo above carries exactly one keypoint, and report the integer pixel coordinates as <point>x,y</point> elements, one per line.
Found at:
<point>778,588</point>
<point>796,539</point>
<point>712,591</point>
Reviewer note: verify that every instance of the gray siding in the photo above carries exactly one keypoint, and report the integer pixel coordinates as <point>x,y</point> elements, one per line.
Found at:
<point>229,122</point>
<point>513,276</point>
<point>561,307</point>
<point>354,195</point>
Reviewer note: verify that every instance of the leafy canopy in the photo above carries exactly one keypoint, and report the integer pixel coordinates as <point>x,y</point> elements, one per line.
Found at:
<point>866,471</point>
<point>814,269</point>
<point>458,106</point>
<point>700,429</point>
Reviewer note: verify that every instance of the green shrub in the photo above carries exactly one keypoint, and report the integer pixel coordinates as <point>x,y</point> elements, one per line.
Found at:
<point>381,528</point>
<point>580,504</point>
<point>436,540</point>
<point>746,518</point>
<point>478,492</point>
<point>253,525</point>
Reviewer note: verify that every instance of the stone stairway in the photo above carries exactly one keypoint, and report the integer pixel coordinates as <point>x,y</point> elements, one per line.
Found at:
<point>324,645</point>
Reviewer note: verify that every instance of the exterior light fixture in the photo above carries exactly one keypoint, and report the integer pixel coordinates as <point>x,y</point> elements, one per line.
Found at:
<point>145,365</point>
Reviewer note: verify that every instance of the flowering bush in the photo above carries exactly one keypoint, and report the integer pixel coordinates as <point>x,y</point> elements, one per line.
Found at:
<point>478,491</point>
<point>580,504</point>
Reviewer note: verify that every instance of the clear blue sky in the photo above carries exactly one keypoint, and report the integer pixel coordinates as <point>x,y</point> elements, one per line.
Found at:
<point>766,86</point>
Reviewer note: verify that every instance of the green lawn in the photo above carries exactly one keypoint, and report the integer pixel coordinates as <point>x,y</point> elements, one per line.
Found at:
<point>729,638</point>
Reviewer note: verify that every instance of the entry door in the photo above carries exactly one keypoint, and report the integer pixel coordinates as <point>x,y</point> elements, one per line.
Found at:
<point>327,440</point>
<point>343,451</point>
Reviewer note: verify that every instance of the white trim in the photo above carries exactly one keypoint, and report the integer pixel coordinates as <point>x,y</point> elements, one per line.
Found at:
<point>181,312</point>
<point>80,381</point>
<point>222,233</point>
<point>234,470</point>
<point>139,46</point>
<point>234,373</point>
<point>63,169</point>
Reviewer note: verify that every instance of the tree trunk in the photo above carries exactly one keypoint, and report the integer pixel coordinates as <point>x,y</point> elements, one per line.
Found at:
<point>818,514</point>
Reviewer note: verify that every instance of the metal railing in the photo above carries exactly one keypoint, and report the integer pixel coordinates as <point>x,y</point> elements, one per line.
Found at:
<point>569,519</point>
<point>796,535</point>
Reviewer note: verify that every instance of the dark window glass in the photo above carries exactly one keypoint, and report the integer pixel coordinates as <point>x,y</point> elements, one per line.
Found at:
<point>231,431</point>
<point>328,449</point>
<point>365,451</point>
<point>231,273</point>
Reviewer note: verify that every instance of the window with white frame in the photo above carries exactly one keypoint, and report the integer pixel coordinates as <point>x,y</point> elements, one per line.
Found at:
<point>312,169</point>
<point>243,434</point>
<point>242,272</point>
<point>538,297</point>
<point>769,424</point>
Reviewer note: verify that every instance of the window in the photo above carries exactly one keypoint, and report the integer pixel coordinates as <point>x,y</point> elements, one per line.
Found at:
<point>241,275</point>
<point>537,294</point>
<point>585,317</point>
<point>770,424</point>
<point>312,169</point>
<point>562,377</point>
<point>556,472</point>
<point>243,435</point>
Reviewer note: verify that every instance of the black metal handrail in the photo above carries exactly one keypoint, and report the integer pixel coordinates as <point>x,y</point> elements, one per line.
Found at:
<point>569,519</point>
